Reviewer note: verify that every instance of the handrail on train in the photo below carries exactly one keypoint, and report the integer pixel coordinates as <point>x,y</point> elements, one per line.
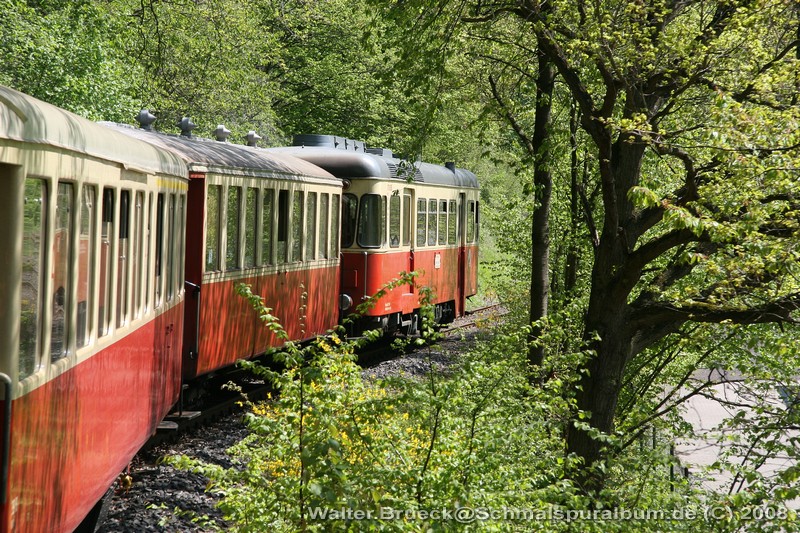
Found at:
<point>5,460</point>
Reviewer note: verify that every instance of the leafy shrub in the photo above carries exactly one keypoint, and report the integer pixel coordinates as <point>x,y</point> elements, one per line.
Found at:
<point>477,448</point>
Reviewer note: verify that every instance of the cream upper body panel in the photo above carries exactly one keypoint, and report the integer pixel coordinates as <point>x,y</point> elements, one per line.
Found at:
<point>26,120</point>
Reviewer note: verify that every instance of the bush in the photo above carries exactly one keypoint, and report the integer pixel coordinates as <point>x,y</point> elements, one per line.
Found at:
<point>476,449</point>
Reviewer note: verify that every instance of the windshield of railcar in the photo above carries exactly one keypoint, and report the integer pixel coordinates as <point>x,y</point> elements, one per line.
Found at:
<point>372,221</point>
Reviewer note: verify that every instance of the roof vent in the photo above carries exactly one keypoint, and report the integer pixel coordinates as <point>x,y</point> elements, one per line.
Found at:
<point>451,166</point>
<point>252,138</point>
<point>221,133</point>
<point>382,152</point>
<point>186,126</point>
<point>326,141</point>
<point>145,119</point>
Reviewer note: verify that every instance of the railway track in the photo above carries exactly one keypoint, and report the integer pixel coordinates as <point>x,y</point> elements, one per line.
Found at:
<point>474,317</point>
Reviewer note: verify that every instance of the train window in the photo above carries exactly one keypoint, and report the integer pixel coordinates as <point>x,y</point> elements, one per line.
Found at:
<point>212,227</point>
<point>452,222</point>
<point>349,212</point>
<point>297,226</point>
<point>85,266</point>
<point>137,252</point>
<point>311,226</point>
<point>180,242</point>
<point>106,236</point>
<point>283,225</point>
<point>422,217</point>
<point>471,221</point>
<point>250,225</point>
<point>123,252</point>
<point>323,226</point>
<point>443,222</point>
<point>232,228</point>
<point>372,221</point>
<point>432,222</point>
<point>148,289</point>
<point>406,220</point>
<point>159,248</point>
<point>335,226</point>
<point>171,242</point>
<point>33,239</point>
<point>394,221</point>
<point>61,275</point>
<point>267,214</point>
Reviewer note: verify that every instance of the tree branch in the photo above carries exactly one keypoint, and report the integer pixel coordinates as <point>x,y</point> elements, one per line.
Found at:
<point>778,311</point>
<point>509,116</point>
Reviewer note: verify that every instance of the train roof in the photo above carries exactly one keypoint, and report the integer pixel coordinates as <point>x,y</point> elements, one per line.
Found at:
<point>216,155</point>
<point>350,159</point>
<point>23,118</point>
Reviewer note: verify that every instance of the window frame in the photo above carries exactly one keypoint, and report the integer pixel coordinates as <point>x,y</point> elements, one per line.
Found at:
<point>395,220</point>
<point>364,222</point>
<point>310,225</point>
<point>349,220</point>
<point>323,220</point>
<point>433,221</point>
<point>251,227</point>
<point>87,229</point>
<point>233,224</point>
<point>267,244</point>
<point>422,222</point>
<point>212,228</point>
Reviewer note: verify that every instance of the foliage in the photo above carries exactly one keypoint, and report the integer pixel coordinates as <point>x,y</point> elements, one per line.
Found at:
<point>327,73</point>
<point>679,182</point>
<point>335,451</point>
<point>205,60</point>
<point>674,228</point>
<point>68,54</point>
<point>332,440</point>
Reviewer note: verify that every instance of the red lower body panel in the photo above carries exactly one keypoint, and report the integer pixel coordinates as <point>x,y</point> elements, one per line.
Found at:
<point>450,272</point>
<point>304,301</point>
<point>71,437</point>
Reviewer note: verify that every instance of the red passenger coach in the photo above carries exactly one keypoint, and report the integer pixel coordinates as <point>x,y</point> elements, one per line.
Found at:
<point>91,289</point>
<point>396,217</point>
<point>265,219</point>
<point>122,252</point>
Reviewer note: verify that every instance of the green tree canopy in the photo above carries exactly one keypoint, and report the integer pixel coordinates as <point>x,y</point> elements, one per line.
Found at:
<point>689,131</point>
<point>68,54</point>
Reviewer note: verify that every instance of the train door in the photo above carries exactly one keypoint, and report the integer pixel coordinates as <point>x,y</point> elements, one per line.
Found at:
<point>462,255</point>
<point>164,264</point>
<point>408,233</point>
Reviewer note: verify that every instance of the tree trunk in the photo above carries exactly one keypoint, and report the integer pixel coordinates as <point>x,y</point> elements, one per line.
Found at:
<point>540,231</point>
<point>571,262</point>
<point>607,332</point>
<point>599,394</point>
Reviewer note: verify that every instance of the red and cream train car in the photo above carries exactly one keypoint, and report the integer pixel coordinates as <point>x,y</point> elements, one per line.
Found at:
<point>257,217</point>
<point>91,289</point>
<point>123,248</point>
<point>400,217</point>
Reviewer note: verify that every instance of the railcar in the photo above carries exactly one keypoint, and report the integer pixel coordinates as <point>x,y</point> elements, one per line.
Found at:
<point>266,219</point>
<point>92,307</point>
<point>123,250</point>
<point>399,216</point>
